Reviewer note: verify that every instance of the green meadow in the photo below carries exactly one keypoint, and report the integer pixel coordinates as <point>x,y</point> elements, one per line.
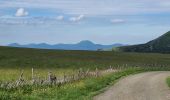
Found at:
<point>61,62</point>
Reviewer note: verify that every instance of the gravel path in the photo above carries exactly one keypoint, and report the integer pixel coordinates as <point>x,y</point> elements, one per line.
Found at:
<point>143,86</point>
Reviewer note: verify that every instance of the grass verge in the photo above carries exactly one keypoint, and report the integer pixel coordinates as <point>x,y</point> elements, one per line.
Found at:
<point>168,81</point>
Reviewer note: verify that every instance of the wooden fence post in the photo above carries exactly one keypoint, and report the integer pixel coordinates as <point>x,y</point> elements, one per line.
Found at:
<point>97,72</point>
<point>20,80</point>
<point>64,78</point>
<point>32,73</point>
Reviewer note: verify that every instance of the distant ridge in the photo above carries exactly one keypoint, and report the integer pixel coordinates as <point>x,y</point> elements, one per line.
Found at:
<point>82,45</point>
<point>158,45</point>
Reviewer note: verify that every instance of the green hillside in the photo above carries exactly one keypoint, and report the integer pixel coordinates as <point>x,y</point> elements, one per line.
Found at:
<point>159,45</point>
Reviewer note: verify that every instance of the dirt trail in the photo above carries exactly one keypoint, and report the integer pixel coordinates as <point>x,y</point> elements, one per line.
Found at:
<point>143,86</point>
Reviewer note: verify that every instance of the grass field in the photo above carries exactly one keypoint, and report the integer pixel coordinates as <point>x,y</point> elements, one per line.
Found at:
<point>26,58</point>
<point>12,60</point>
<point>60,62</point>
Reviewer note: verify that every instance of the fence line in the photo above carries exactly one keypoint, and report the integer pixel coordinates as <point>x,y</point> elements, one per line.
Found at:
<point>53,80</point>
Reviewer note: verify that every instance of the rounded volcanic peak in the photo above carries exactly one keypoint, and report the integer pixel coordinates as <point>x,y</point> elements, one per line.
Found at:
<point>43,44</point>
<point>86,42</point>
<point>14,44</point>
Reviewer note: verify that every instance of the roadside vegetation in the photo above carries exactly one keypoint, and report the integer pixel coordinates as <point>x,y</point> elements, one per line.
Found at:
<point>15,61</point>
<point>83,89</point>
<point>168,81</point>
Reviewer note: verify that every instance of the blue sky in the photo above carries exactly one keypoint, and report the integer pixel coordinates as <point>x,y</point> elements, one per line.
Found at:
<point>70,21</point>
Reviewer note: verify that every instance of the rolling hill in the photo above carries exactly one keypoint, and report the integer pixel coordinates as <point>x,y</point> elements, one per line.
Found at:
<point>83,45</point>
<point>158,45</point>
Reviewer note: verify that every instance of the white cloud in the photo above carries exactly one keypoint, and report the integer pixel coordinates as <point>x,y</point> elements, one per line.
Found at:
<point>116,21</point>
<point>60,17</point>
<point>21,12</point>
<point>76,19</point>
<point>93,7</point>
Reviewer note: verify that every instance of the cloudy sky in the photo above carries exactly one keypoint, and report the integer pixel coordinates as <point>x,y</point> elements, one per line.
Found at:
<point>70,21</point>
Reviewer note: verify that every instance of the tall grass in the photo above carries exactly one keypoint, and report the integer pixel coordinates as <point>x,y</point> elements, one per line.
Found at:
<point>83,89</point>
<point>79,90</point>
<point>168,81</point>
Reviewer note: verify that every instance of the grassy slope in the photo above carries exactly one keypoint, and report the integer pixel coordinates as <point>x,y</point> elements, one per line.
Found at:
<point>160,44</point>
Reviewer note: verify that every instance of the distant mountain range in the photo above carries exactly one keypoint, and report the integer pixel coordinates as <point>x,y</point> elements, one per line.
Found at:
<point>158,45</point>
<point>83,45</point>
